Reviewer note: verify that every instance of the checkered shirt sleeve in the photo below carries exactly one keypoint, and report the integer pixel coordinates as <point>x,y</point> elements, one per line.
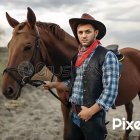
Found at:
<point>110,81</point>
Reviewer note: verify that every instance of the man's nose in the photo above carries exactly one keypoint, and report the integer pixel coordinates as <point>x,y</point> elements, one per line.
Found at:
<point>84,35</point>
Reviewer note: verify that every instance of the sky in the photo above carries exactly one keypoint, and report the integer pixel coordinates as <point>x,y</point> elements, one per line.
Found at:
<point>121,18</point>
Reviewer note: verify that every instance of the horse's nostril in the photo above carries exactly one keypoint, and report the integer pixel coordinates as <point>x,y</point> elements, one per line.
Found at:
<point>10,90</point>
<point>9,93</point>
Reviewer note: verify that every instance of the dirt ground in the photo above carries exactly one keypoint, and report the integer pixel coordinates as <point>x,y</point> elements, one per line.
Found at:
<point>36,115</point>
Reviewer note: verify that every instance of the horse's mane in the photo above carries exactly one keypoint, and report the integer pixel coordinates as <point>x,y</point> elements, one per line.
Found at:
<point>55,29</point>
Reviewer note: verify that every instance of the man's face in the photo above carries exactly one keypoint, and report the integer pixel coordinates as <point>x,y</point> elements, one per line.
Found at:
<point>86,34</point>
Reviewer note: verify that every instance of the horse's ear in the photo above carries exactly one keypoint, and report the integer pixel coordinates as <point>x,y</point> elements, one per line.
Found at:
<point>31,18</point>
<point>12,22</point>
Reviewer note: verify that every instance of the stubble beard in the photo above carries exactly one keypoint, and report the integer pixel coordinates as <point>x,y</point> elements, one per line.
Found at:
<point>89,44</point>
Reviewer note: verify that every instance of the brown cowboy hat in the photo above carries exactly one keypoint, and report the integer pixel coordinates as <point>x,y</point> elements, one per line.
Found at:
<point>87,19</point>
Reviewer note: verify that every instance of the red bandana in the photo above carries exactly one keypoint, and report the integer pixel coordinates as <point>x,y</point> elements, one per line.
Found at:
<point>83,54</point>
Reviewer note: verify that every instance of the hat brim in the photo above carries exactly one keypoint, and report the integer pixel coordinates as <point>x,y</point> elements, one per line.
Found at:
<point>74,22</point>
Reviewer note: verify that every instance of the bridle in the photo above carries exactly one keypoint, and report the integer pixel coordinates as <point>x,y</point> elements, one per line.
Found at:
<point>25,79</point>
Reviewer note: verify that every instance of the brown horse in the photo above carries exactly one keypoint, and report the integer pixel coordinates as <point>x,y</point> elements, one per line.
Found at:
<point>46,43</point>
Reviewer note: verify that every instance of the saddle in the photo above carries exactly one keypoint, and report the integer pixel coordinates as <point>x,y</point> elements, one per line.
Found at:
<point>114,49</point>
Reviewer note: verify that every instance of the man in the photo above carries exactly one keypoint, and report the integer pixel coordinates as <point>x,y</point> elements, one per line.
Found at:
<point>94,83</point>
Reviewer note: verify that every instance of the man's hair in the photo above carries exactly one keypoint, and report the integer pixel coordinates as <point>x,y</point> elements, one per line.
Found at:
<point>94,27</point>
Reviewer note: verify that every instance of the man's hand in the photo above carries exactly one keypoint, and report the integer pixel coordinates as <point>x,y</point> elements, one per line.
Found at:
<point>47,85</point>
<point>85,113</point>
<point>58,85</point>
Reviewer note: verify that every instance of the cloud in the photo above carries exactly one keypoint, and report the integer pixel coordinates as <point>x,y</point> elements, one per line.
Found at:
<point>119,10</point>
<point>42,3</point>
<point>56,3</point>
<point>120,17</point>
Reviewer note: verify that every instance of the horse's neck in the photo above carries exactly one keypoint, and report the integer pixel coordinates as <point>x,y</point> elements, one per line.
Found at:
<point>59,52</point>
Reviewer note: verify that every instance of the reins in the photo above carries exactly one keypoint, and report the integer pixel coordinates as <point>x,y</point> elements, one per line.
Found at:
<point>65,103</point>
<point>37,83</point>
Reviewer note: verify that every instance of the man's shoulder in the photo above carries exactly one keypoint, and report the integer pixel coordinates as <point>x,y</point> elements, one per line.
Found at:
<point>101,51</point>
<point>101,48</point>
<point>110,54</point>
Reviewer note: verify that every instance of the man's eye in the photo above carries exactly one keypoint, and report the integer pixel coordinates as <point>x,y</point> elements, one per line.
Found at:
<point>80,33</point>
<point>87,32</point>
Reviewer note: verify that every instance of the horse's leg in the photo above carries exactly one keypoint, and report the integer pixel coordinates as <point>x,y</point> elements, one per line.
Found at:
<point>129,111</point>
<point>66,115</point>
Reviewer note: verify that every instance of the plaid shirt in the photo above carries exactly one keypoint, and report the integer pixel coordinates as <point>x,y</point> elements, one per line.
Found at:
<point>110,81</point>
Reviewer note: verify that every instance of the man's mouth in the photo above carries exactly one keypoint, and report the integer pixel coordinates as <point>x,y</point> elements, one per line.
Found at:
<point>84,41</point>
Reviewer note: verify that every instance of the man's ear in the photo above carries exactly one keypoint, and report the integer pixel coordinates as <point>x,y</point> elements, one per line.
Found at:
<point>96,33</point>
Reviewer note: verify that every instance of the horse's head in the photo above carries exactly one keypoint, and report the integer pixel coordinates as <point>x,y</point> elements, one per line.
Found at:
<point>24,55</point>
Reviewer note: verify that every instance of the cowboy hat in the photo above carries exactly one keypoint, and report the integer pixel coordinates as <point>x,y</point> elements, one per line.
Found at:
<point>87,19</point>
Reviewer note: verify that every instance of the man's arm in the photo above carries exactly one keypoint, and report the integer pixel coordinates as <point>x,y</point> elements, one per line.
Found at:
<point>110,81</point>
<point>57,85</point>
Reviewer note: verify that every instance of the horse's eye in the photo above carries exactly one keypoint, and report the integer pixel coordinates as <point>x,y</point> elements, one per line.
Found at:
<point>27,48</point>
